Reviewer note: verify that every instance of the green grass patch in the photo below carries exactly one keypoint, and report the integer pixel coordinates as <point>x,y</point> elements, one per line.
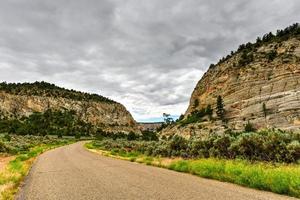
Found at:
<point>280,178</point>
<point>18,168</point>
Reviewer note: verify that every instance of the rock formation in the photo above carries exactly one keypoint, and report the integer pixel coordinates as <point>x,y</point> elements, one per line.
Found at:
<point>259,84</point>
<point>17,100</point>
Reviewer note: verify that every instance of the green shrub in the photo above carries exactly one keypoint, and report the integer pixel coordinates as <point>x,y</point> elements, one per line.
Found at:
<point>77,136</point>
<point>7,137</point>
<point>271,55</point>
<point>249,127</point>
<point>245,59</point>
<point>268,145</point>
<point>294,150</point>
<point>197,116</point>
<point>23,144</point>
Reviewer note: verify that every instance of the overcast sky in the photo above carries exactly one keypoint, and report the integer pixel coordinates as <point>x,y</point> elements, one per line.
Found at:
<point>145,54</point>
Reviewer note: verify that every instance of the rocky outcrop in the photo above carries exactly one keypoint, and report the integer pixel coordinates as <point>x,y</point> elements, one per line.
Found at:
<point>150,126</point>
<point>264,91</point>
<point>109,116</point>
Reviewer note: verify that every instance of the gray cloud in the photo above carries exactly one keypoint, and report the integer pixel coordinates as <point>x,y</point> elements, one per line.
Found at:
<point>147,55</point>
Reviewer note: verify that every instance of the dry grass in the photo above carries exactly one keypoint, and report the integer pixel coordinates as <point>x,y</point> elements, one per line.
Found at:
<point>16,170</point>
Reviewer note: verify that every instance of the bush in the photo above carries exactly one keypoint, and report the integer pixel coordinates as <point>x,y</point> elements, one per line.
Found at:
<point>178,143</point>
<point>294,150</point>
<point>77,136</point>
<point>7,137</point>
<point>249,127</point>
<point>149,136</point>
<point>197,115</point>
<point>131,136</point>
<point>271,55</point>
<point>245,58</point>
<point>20,144</point>
<point>273,146</point>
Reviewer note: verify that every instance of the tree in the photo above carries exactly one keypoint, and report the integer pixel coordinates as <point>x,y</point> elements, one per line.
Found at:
<point>181,117</point>
<point>167,118</point>
<point>264,108</point>
<point>271,55</point>
<point>131,136</point>
<point>149,136</point>
<point>209,111</point>
<point>196,103</point>
<point>220,108</point>
<point>59,135</point>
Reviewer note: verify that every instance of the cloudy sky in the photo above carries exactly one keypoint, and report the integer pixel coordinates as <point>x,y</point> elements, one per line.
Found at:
<point>146,54</point>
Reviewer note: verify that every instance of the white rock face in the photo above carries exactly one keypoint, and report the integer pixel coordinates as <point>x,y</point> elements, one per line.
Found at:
<point>108,116</point>
<point>275,83</point>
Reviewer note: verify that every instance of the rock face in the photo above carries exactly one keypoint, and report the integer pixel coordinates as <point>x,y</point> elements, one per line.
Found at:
<point>107,115</point>
<point>149,126</point>
<point>265,91</point>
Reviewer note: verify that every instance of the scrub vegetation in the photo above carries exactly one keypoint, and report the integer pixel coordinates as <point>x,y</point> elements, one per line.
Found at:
<point>22,150</point>
<point>265,160</point>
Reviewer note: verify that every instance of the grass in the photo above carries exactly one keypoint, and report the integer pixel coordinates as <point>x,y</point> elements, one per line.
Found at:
<point>274,177</point>
<point>17,169</point>
<point>277,178</point>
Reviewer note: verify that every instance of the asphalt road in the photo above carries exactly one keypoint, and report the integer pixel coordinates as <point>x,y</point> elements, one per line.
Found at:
<point>73,173</point>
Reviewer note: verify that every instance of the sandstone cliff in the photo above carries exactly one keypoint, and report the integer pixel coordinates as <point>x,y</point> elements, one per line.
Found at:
<point>260,84</point>
<point>16,101</point>
<point>149,126</point>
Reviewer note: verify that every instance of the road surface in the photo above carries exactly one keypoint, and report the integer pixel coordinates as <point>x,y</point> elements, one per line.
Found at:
<point>73,173</point>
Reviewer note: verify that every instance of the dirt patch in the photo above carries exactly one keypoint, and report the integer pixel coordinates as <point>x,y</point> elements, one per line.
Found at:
<point>4,160</point>
<point>167,161</point>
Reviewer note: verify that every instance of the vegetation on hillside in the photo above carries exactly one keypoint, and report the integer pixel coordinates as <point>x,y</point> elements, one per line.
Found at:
<point>51,122</point>
<point>145,136</point>
<point>63,123</point>
<point>197,116</point>
<point>247,49</point>
<point>202,114</point>
<point>50,90</point>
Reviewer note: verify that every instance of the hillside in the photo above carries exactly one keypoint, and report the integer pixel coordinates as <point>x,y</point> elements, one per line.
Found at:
<point>150,126</point>
<point>259,85</point>
<point>24,99</point>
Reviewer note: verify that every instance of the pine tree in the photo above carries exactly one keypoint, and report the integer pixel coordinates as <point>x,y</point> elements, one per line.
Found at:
<point>220,108</point>
<point>209,111</point>
<point>264,108</point>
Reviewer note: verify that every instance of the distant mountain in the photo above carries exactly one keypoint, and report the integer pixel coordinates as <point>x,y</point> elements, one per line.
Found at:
<point>18,100</point>
<point>259,86</point>
<point>150,126</point>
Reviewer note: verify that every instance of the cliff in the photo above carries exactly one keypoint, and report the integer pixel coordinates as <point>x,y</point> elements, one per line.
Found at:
<point>259,84</point>
<point>149,126</point>
<point>17,100</point>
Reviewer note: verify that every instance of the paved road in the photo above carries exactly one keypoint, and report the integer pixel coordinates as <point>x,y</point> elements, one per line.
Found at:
<point>72,172</point>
